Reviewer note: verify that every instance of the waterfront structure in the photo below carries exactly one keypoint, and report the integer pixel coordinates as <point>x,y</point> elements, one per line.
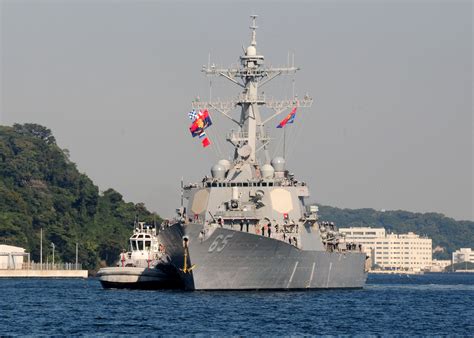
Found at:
<point>248,226</point>
<point>409,252</point>
<point>463,255</point>
<point>13,264</point>
<point>11,257</point>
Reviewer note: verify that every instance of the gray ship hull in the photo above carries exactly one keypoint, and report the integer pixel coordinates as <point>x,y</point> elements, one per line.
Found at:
<point>233,260</point>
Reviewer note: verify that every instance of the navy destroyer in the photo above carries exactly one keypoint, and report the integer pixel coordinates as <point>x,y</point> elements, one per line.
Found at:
<point>247,226</point>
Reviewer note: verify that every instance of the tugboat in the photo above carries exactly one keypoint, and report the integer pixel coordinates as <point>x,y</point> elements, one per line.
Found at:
<point>248,227</point>
<point>145,266</point>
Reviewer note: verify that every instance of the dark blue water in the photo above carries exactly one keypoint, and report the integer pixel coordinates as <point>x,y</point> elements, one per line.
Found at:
<point>434,304</point>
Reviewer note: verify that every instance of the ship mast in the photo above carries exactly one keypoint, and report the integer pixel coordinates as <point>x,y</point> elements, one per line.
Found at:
<point>251,76</point>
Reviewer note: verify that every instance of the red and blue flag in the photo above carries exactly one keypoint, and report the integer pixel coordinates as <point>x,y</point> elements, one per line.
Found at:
<point>202,121</point>
<point>290,118</point>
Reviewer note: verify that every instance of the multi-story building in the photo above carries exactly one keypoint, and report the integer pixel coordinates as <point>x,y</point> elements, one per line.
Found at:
<point>408,252</point>
<point>463,255</point>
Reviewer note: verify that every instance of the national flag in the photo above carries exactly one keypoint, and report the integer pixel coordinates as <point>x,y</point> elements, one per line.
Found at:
<point>204,115</point>
<point>290,118</point>
<point>202,121</point>
<point>197,127</point>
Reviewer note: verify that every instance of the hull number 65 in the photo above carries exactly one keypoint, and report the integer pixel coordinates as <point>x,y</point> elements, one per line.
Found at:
<point>219,243</point>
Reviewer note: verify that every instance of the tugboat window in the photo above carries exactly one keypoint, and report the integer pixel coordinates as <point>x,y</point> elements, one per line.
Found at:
<point>134,245</point>
<point>147,245</point>
<point>140,245</point>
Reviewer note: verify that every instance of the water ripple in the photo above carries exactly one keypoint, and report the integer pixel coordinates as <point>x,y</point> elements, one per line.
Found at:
<point>439,304</point>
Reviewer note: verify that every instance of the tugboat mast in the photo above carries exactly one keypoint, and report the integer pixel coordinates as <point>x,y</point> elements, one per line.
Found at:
<point>252,74</point>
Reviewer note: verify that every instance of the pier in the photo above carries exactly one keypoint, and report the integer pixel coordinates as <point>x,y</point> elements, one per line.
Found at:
<point>12,265</point>
<point>45,270</point>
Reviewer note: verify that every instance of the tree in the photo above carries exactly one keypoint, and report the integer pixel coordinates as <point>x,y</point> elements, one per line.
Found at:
<point>35,130</point>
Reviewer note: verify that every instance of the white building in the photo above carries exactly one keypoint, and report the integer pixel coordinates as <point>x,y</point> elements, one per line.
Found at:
<point>463,255</point>
<point>408,252</point>
<point>11,257</point>
<point>439,265</point>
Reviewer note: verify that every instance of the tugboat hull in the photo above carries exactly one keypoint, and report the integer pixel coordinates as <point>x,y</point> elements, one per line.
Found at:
<point>138,278</point>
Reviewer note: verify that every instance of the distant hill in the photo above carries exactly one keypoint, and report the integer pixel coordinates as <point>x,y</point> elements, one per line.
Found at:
<point>41,188</point>
<point>446,233</point>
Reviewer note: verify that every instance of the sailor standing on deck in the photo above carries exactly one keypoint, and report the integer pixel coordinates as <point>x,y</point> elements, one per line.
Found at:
<point>247,223</point>
<point>241,225</point>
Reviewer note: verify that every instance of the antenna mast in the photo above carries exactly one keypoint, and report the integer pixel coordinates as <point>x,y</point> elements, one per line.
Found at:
<point>252,74</point>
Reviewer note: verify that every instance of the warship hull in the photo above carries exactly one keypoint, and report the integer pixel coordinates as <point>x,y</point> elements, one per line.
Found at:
<point>229,259</point>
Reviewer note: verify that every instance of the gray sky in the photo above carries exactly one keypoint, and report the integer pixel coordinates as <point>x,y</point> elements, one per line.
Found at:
<point>391,126</point>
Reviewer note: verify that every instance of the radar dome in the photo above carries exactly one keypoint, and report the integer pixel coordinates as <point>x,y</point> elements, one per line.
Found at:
<point>225,164</point>
<point>278,164</point>
<point>218,171</point>
<point>251,51</point>
<point>267,171</point>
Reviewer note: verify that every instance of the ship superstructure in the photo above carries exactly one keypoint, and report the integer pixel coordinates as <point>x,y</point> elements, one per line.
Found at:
<point>247,226</point>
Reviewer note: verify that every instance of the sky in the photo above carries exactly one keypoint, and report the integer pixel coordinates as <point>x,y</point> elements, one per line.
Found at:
<point>391,126</point>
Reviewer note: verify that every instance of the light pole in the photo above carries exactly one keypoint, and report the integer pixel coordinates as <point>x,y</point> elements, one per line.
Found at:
<point>52,244</point>
<point>41,249</point>
<point>76,255</point>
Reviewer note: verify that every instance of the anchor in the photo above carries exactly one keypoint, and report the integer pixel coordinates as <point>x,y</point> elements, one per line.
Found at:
<point>185,268</point>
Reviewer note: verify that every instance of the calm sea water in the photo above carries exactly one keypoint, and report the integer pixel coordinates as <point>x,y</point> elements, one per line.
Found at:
<point>432,304</point>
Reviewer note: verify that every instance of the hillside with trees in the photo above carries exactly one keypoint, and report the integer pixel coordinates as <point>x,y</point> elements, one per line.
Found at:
<point>40,188</point>
<point>447,234</point>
